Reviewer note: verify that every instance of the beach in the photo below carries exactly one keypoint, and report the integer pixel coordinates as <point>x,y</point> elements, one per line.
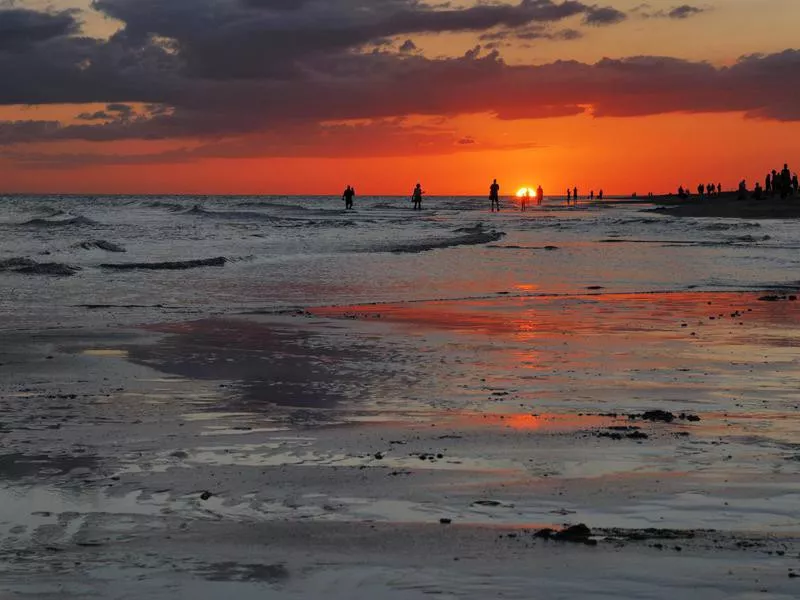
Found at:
<point>730,206</point>
<point>275,397</point>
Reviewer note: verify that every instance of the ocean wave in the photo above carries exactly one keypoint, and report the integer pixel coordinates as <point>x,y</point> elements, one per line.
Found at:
<point>638,221</point>
<point>312,223</point>
<point>27,266</point>
<point>199,211</point>
<point>264,204</point>
<point>170,206</point>
<point>74,221</point>
<point>729,226</point>
<point>751,238</point>
<point>179,265</point>
<point>100,245</point>
<point>472,236</point>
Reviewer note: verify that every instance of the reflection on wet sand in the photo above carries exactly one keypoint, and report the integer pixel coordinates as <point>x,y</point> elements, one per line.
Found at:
<point>674,413</point>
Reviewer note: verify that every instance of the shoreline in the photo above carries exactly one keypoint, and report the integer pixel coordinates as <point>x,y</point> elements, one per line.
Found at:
<point>726,206</point>
<point>274,454</point>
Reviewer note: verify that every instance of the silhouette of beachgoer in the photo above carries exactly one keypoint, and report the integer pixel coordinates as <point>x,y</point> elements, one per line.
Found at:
<point>719,189</point>
<point>591,195</point>
<point>757,192</point>
<point>700,189</point>
<point>416,197</point>
<point>768,184</point>
<point>569,196</point>
<point>524,199</point>
<point>347,196</point>
<point>575,195</point>
<point>494,195</point>
<point>775,183</point>
<point>786,181</point>
<point>600,195</point>
<point>681,192</point>
<point>742,189</point>
<point>794,184</point>
<point>539,195</point>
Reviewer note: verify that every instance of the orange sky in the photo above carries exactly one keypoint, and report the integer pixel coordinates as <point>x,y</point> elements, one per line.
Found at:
<point>442,132</point>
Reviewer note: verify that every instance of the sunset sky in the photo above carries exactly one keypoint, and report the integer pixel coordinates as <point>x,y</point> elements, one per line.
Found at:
<point>306,96</point>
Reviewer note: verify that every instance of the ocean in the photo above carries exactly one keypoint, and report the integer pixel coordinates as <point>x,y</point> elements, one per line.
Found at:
<point>284,253</point>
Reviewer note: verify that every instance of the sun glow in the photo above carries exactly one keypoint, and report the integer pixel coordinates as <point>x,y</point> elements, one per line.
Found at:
<point>526,190</point>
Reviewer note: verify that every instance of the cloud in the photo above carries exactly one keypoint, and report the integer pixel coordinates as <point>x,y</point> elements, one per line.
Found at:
<point>239,77</point>
<point>603,15</point>
<point>684,11</point>
<point>21,27</point>
<point>378,138</point>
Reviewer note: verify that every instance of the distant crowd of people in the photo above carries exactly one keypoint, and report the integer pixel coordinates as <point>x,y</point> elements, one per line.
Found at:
<point>709,190</point>
<point>494,197</point>
<point>781,183</point>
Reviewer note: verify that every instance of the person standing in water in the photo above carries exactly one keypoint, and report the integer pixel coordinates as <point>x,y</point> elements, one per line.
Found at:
<point>569,196</point>
<point>539,195</point>
<point>575,196</point>
<point>347,196</point>
<point>416,197</point>
<point>523,201</point>
<point>494,195</point>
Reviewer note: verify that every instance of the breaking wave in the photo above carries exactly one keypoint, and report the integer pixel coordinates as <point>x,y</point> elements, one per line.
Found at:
<point>27,266</point>
<point>180,265</point>
<point>729,226</point>
<point>74,221</point>
<point>471,236</point>
<point>100,245</point>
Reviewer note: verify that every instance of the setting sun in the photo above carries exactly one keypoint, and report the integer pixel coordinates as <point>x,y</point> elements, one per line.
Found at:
<point>525,190</point>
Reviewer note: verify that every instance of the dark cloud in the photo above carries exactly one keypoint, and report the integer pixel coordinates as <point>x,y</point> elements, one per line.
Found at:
<point>683,11</point>
<point>21,27</point>
<point>603,15</point>
<point>228,40</point>
<point>226,75</point>
<point>408,46</point>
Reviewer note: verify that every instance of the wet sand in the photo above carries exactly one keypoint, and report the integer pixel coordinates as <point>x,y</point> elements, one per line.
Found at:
<point>404,450</point>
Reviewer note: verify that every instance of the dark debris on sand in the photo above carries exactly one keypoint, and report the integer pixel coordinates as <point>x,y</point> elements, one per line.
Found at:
<point>576,534</point>
<point>663,416</point>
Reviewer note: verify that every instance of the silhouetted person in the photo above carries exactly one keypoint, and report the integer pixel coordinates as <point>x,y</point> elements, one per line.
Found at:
<point>700,189</point>
<point>775,183</point>
<point>681,192</point>
<point>349,194</point>
<point>600,195</point>
<point>523,200</point>
<point>786,181</point>
<point>742,189</point>
<point>719,189</point>
<point>768,184</point>
<point>416,197</point>
<point>575,196</point>
<point>539,195</point>
<point>591,195</point>
<point>569,196</point>
<point>494,195</point>
<point>711,189</point>
<point>794,184</point>
<point>757,192</point>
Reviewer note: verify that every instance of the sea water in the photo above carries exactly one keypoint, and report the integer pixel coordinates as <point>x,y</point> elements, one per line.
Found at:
<point>288,253</point>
